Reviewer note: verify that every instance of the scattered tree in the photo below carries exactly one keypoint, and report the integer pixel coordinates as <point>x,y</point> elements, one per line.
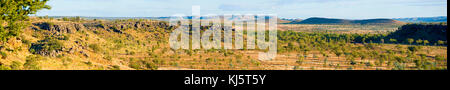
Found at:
<point>13,12</point>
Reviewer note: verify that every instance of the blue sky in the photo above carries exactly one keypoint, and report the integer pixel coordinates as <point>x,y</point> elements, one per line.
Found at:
<point>349,9</point>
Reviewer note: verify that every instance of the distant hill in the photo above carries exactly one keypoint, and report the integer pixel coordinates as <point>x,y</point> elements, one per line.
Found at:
<point>283,21</point>
<point>377,21</point>
<point>423,19</point>
<point>288,20</point>
<point>317,20</point>
<point>432,32</point>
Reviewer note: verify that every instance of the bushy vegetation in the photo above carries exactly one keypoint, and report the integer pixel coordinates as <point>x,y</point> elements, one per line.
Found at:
<point>4,67</point>
<point>3,55</point>
<point>73,19</point>
<point>423,33</point>
<point>142,64</point>
<point>48,47</point>
<point>15,65</point>
<point>13,12</point>
<point>32,62</point>
<point>356,46</point>
<point>95,47</point>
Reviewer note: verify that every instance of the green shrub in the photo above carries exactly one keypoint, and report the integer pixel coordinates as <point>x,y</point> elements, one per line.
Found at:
<point>398,66</point>
<point>440,58</point>
<point>130,52</point>
<point>151,66</point>
<point>300,60</point>
<point>3,54</point>
<point>142,65</point>
<point>414,48</point>
<point>353,62</point>
<point>89,63</point>
<point>109,58</point>
<point>96,32</point>
<point>158,61</point>
<point>26,42</point>
<point>115,67</point>
<point>65,19</point>
<point>3,67</point>
<point>440,42</point>
<point>67,61</point>
<point>208,60</point>
<point>65,37</point>
<point>16,65</point>
<point>101,25</point>
<point>424,65</point>
<point>32,62</point>
<point>95,47</point>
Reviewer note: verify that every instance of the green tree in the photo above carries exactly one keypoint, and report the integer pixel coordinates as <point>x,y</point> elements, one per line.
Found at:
<point>425,42</point>
<point>419,41</point>
<point>410,41</point>
<point>13,12</point>
<point>65,19</point>
<point>77,19</point>
<point>440,42</point>
<point>338,53</point>
<point>393,40</point>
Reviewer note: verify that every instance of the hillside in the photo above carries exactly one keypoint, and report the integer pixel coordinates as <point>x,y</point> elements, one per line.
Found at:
<point>316,20</point>
<point>288,20</point>
<point>281,21</point>
<point>85,45</point>
<point>432,32</point>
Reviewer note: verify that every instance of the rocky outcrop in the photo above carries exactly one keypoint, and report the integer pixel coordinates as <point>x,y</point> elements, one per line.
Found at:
<point>47,47</point>
<point>137,25</point>
<point>61,27</point>
<point>53,47</point>
<point>71,27</point>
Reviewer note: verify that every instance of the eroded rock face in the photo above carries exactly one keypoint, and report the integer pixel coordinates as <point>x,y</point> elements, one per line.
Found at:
<point>118,27</point>
<point>47,48</point>
<point>62,27</point>
<point>139,25</point>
